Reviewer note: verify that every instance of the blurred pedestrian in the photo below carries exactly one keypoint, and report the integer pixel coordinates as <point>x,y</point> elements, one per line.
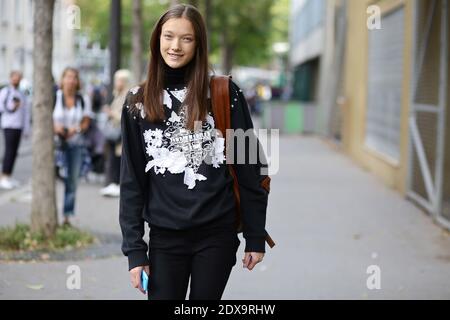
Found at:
<point>97,98</point>
<point>95,137</point>
<point>112,133</point>
<point>252,99</point>
<point>15,121</point>
<point>71,119</point>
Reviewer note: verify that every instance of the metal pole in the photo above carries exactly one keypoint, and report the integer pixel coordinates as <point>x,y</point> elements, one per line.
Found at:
<point>424,166</point>
<point>443,78</point>
<point>409,186</point>
<point>416,142</point>
<point>424,44</point>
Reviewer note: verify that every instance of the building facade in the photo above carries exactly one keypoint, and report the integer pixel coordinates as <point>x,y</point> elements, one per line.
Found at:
<point>306,56</point>
<point>395,116</point>
<point>382,83</point>
<point>16,38</point>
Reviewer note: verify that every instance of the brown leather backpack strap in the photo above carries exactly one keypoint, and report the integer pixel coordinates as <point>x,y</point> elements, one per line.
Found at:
<point>220,100</point>
<point>266,183</point>
<point>220,103</point>
<point>270,241</point>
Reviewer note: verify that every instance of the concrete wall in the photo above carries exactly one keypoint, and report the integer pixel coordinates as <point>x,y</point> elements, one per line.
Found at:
<point>355,90</point>
<point>306,36</point>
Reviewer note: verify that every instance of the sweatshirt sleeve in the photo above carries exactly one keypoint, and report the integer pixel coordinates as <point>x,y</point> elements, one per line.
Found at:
<point>87,111</point>
<point>6,100</point>
<point>2,99</point>
<point>133,186</point>
<point>253,197</point>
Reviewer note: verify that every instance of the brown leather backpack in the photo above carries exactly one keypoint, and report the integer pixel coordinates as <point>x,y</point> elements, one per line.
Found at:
<point>220,101</point>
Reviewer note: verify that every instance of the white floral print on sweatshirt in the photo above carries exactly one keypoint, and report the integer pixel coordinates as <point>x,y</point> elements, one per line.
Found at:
<point>178,150</point>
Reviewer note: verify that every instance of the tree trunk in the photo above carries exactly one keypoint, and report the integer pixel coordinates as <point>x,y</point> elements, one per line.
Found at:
<point>114,42</point>
<point>194,3</point>
<point>208,16</point>
<point>44,217</point>
<point>227,53</point>
<point>137,41</point>
<point>227,59</point>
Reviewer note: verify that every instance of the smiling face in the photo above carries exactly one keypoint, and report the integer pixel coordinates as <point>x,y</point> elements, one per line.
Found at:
<point>70,81</point>
<point>177,42</point>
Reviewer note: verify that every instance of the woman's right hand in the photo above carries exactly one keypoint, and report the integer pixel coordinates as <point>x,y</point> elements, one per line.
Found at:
<point>58,129</point>
<point>135,274</point>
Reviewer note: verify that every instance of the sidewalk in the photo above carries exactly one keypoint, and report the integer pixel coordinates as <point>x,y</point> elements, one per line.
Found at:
<point>330,220</point>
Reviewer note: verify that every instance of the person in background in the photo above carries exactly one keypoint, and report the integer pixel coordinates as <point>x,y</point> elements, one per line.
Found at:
<point>114,145</point>
<point>15,121</point>
<point>97,98</point>
<point>71,119</point>
<point>96,145</point>
<point>252,96</point>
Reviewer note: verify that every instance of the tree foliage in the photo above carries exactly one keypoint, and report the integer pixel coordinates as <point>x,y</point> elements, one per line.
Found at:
<point>251,26</point>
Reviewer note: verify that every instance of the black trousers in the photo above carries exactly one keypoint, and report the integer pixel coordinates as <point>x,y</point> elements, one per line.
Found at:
<point>113,167</point>
<point>12,142</point>
<point>205,256</point>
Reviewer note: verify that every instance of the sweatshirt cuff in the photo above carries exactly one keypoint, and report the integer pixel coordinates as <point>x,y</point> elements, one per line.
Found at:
<point>137,258</point>
<point>255,244</point>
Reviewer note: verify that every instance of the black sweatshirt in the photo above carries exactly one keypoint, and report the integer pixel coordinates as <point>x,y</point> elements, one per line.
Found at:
<point>178,181</point>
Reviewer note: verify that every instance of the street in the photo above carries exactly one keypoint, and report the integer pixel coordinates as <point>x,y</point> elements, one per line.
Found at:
<point>330,219</point>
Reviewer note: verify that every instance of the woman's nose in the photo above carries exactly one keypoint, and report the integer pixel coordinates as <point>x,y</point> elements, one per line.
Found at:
<point>175,45</point>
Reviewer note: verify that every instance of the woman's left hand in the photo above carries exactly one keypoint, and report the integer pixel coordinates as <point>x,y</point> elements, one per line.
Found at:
<point>107,109</point>
<point>251,259</point>
<point>71,132</point>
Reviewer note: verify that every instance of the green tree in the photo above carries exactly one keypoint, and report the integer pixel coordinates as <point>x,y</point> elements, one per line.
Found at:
<point>280,18</point>
<point>136,65</point>
<point>246,26</point>
<point>95,23</point>
<point>241,32</point>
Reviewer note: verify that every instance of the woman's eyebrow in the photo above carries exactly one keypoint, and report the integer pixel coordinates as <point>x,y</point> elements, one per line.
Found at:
<point>186,34</point>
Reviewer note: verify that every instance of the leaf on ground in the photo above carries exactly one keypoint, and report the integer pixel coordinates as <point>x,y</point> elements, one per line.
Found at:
<point>35,286</point>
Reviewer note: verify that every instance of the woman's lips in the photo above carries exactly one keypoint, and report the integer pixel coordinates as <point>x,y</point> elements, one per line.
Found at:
<point>175,56</point>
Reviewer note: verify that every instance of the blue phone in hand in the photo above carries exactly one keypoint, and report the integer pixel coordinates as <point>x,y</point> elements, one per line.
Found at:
<point>144,280</point>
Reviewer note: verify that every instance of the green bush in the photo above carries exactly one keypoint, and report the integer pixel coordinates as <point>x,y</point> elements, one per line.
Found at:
<point>20,237</point>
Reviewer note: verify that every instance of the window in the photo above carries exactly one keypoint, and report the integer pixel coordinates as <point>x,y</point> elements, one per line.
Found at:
<point>385,74</point>
<point>3,12</point>
<point>18,13</point>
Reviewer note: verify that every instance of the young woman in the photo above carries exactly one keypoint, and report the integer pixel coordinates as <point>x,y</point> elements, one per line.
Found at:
<point>71,118</point>
<point>176,179</point>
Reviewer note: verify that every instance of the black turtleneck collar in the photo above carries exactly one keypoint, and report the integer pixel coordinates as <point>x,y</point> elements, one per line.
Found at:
<point>174,76</point>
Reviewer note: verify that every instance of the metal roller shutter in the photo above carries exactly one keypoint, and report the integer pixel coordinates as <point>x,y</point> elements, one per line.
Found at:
<point>385,73</point>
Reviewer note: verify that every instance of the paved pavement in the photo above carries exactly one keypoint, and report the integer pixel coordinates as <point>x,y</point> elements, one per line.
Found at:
<point>331,221</point>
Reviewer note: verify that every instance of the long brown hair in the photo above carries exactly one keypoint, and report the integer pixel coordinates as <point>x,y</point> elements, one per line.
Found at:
<point>196,73</point>
<point>77,75</point>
